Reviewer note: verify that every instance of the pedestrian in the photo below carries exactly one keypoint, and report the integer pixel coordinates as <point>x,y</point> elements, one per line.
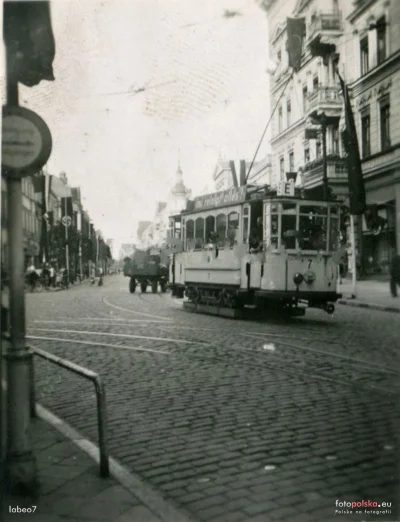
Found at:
<point>52,273</point>
<point>32,276</point>
<point>394,274</point>
<point>46,276</point>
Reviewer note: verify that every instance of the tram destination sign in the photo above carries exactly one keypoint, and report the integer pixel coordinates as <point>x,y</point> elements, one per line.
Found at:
<point>220,199</point>
<point>26,142</point>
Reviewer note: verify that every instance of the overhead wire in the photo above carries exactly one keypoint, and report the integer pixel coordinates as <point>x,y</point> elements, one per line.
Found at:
<point>269,121</point>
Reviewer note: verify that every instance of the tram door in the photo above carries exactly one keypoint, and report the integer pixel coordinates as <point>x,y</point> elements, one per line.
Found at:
<point>256,220</point>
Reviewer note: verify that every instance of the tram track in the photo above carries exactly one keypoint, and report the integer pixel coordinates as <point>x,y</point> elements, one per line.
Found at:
<point>286,357</point>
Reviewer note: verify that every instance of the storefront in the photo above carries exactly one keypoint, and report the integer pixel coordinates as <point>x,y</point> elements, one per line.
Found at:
<point>379,238</point>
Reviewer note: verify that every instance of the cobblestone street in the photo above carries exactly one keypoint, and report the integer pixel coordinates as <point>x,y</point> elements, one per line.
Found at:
<point>232,421</point>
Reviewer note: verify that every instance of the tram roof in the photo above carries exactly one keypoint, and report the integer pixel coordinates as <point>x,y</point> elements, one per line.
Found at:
<point>245,194</point>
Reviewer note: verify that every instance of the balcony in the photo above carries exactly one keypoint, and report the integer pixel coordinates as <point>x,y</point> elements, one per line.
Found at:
<point>325,25</point>
<point>336,169</point>
<point>325,99</point>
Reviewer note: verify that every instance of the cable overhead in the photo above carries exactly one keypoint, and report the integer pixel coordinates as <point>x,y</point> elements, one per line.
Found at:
<point>269,121</point>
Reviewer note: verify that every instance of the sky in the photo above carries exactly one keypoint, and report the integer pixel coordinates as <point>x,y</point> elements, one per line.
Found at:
<point>206,95</point>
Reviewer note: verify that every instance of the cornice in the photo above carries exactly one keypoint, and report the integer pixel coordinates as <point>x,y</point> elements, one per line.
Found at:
<point>364,5</point>
<point>287,133</point>
<point>390,66</point>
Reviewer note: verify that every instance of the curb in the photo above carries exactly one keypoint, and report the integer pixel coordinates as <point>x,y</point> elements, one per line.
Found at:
<point>358,304</point>
<point>151,498</point>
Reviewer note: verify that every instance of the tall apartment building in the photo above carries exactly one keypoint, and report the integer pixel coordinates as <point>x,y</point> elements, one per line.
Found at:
<point>371,56</point>
<point>313,89</point>
<point>366,36</point>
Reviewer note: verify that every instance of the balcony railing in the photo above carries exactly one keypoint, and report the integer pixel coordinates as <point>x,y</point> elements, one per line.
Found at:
<point>326,98</point>
<point>325,22</point>
<point>336,170</point>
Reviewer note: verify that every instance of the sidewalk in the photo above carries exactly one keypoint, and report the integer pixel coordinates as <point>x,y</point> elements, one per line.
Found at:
<point>369,294</point>
<point>71,489</point>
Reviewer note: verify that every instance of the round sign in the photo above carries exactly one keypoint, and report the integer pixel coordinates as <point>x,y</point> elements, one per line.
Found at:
<point>66,221</point>
<point>26,142</point>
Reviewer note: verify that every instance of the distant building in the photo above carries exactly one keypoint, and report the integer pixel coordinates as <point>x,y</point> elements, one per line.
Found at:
<point>155,232</point>
<point>31,222</point>
<point>260,173</point>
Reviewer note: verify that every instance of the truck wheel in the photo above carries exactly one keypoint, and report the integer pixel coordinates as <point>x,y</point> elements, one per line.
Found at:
<point>154,286</point>
<point>132,285</point>
<point>143,287</point>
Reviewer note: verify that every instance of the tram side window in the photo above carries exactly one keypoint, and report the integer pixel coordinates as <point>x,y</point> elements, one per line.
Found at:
<point>177,230</point>
<point>221,227</point>
<point>233,226</point>
<point>246,224</point>
<point>210,228</point>
<point>199,233</point>
<point>334,234</point>
<point>313,228</point>
<point>190,229</point>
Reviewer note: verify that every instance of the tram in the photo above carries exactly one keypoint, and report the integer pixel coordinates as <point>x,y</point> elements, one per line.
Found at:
<point>256,248</point>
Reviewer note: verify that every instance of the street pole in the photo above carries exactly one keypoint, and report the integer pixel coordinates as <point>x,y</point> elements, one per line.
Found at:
<point>66,238</point>
<point>20,465</point>
<point>354,263</point>
<point>324,159</point>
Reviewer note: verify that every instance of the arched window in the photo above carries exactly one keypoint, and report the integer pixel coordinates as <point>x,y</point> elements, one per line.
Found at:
<point>210,227</point>
<point>221,226</point>
<point>233,226</point>
<point>200,228</point>
<point>190,229</point>
<point>199,232</point>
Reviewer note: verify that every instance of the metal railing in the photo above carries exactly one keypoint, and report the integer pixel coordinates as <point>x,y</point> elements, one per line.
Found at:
<point>331,96</point>
<point>325,22</point>
<point>100,398</point>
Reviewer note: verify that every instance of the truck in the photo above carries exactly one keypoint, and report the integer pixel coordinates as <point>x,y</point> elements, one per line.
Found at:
<point>147,268</point>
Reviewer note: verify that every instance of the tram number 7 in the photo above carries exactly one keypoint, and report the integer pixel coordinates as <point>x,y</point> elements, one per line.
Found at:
<point>309,263</point>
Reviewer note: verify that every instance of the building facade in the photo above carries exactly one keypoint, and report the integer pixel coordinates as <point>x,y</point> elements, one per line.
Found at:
<point>372,69</point>
<point>260,173</point>
<point>31,222</point>
<point>364,39</point>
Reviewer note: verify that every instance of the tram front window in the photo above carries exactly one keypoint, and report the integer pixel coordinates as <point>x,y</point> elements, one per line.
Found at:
<point>288,237</point>
<point>313,228</point>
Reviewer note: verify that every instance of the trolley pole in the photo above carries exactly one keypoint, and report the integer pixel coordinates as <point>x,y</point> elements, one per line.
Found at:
<point>20,462</point>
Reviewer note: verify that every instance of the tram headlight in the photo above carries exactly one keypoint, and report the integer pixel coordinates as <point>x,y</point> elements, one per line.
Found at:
<point>298,279</point>
<point>309,277</point>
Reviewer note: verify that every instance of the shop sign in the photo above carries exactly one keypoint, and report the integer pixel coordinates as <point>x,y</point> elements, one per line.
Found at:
<point>220,199</point>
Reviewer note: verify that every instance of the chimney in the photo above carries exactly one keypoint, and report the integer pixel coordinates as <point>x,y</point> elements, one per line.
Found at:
<point>234,176</point>
<point>242,173</point>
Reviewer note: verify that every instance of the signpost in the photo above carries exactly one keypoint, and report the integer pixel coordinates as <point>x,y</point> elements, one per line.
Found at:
<point>26,142</point>
<point>26,147</point>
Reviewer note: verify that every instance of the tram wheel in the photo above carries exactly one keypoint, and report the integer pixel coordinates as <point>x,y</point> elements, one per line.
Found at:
<point>154,285</point>
<point>132,286</point>
<point>143,287</point>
